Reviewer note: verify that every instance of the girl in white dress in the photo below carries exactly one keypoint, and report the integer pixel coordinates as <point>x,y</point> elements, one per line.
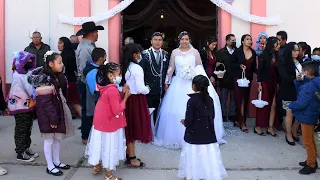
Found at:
<point>186,61</point>
<point>200,157</point>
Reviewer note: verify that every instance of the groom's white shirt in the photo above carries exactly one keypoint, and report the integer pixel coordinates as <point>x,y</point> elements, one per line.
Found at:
<point>155,54</point>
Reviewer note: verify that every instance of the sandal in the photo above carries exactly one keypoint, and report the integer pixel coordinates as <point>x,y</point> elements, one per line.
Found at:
<point>110,178</point>
<point>260,134</point>
<point>96,170</point>
<point>236,124</point>
<point>245,130</point>
<point>129,163</point>
<point>271,133</point>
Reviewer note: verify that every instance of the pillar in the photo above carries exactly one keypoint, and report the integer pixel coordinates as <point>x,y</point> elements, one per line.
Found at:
<point>2,45</point>
<point>258,8</point>
<point>114,34</point>
<point>224,25</point>
<point>82,8</point>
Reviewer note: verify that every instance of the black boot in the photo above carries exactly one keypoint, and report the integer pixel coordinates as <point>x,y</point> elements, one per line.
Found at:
<point>305,163</point>
<point>307,170</point>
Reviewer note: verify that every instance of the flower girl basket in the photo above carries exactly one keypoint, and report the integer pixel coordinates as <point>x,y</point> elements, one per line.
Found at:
<point>259,103</point>
<point>220,73</point>
<point>243,82</point>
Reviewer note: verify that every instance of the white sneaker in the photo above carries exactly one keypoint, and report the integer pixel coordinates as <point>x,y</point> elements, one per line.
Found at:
<point>3,171</point>
<point>31,153</point>
<point>24,157</point>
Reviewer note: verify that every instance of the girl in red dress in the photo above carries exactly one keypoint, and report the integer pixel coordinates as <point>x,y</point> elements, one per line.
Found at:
<point>137,112</point>
<point>268,85</point>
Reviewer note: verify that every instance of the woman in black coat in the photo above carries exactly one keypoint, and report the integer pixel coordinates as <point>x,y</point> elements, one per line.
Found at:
<point>289,69</point>
<point>244,59</point>
<point>69,61</point>
<point>268,86</point>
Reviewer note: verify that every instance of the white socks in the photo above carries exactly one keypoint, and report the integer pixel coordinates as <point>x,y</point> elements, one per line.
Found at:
<point>56,153</point>
<point>52,153</point>
<point>47,148</point>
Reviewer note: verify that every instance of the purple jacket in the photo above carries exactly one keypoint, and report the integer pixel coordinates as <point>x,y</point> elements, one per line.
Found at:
<point>21,97</point>
<point>49,106</point>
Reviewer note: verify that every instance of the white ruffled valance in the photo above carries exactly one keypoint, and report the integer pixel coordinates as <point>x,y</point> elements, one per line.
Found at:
<point>125,3</point>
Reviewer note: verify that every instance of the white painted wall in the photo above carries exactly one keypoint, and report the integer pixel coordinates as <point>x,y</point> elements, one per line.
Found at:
<point>300,19</point>
<point>24,17</point>
<point>240,27</point>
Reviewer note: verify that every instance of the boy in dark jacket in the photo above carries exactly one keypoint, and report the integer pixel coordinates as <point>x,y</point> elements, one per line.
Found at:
<point>99,56</point>
<point>306,110</point>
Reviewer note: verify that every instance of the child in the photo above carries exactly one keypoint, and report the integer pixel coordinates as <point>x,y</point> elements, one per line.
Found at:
<point>261,43</point>
<point>3,108</point>
<point>90,72</point>
<point>54,116</point>
<point>21,104</point>
<point>200,157</point>
<point>107,144</point>
<point>306,111</point>
<point>137,112</point>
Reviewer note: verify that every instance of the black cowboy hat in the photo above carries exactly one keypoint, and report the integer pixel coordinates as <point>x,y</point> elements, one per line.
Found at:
<point>88,27</point>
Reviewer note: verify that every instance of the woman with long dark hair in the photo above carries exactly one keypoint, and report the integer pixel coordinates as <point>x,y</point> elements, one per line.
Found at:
<point>244,59</point>
<point>289,69</point>
<point>137,112</point>
<point>268,86</point>
<point>208,58</point>
<point>69,61</point>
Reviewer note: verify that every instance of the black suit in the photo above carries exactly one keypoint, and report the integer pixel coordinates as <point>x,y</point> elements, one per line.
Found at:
<point>154,76</point>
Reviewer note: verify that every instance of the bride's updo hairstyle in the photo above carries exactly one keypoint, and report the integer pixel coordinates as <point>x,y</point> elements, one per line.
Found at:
<point>201,83</point>
<point>184,33</point>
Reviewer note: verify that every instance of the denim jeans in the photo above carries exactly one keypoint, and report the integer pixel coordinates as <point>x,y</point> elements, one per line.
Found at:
<point>224,94</point>
<point>85,122</point>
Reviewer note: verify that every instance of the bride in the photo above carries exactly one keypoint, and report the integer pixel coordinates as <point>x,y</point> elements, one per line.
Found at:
<point>186,62</point>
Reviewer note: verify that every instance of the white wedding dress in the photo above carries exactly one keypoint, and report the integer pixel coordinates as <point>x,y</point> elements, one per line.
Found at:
<point>169,132</point>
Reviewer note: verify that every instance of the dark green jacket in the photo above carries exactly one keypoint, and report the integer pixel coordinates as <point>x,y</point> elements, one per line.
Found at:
<point>38,53</point>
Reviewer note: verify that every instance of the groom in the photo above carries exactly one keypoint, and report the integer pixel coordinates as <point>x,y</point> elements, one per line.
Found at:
<point>155,63</point>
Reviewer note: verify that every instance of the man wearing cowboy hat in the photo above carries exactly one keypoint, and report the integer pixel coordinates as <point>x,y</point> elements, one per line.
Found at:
<point>89,32</point>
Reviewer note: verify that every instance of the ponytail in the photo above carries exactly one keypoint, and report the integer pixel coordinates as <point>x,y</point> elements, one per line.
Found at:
<point>201,83</point>
<point>308,52</point>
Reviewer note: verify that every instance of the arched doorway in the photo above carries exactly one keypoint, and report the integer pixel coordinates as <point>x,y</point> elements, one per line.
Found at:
<point>143,17</point>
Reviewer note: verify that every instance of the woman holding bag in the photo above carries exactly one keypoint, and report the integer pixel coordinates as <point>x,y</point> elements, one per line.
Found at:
<point>243,66</point>
<point>268,86</point>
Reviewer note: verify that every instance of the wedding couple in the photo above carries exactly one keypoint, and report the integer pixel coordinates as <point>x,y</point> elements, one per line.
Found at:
<point>169,94</point>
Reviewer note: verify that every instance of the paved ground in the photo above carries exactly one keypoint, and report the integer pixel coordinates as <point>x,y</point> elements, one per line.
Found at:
<point>246,157</point>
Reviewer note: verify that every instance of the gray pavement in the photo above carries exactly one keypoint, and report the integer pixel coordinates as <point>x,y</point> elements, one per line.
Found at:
<point>245,156</point>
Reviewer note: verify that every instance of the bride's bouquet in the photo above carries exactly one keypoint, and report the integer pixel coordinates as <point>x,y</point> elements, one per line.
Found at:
<point>187,72</point>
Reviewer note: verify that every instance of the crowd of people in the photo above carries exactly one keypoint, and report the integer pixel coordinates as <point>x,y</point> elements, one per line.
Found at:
<point>114,100</point>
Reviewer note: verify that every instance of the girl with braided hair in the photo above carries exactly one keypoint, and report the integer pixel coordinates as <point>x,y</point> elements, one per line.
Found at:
<point>200,156</point>
<point>107,143</point>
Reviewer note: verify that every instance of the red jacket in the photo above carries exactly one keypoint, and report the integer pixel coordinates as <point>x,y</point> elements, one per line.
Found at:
<point>109,113</point>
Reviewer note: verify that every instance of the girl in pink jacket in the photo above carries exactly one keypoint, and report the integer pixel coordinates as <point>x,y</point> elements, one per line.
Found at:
<point>107,144</point>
